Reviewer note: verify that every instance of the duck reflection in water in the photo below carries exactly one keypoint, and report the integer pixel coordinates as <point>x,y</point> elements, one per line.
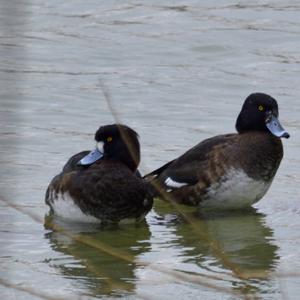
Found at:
<point>237,241</point>
<point>92,268</point>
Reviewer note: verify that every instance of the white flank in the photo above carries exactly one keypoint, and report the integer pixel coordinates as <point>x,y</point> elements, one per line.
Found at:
<point>174,184</point>
<point>235,190</point>
<point>64,207</point>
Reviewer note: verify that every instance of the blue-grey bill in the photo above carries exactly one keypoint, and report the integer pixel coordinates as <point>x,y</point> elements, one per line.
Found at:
<point>275,127</point>
<point>92,157</point>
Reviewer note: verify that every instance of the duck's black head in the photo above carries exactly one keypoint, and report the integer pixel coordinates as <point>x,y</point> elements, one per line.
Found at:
<point>115,142</point>
<point>260,113</point>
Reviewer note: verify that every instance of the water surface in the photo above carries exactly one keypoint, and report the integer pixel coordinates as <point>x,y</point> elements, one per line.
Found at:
<point>178,73</point>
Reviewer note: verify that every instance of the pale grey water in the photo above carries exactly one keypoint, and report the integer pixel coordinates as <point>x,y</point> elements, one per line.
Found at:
<point>177,72</point>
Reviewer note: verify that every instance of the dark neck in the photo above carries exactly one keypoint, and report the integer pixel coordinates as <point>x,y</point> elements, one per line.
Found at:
<point>126,159</point>
<point>243,124</point>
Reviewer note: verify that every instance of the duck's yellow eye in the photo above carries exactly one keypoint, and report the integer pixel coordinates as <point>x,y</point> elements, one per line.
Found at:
<point>260,108</point>
<point>109,139</point>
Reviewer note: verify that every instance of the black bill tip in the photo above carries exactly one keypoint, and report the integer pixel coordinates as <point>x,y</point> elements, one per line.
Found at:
<point>286,135</point>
